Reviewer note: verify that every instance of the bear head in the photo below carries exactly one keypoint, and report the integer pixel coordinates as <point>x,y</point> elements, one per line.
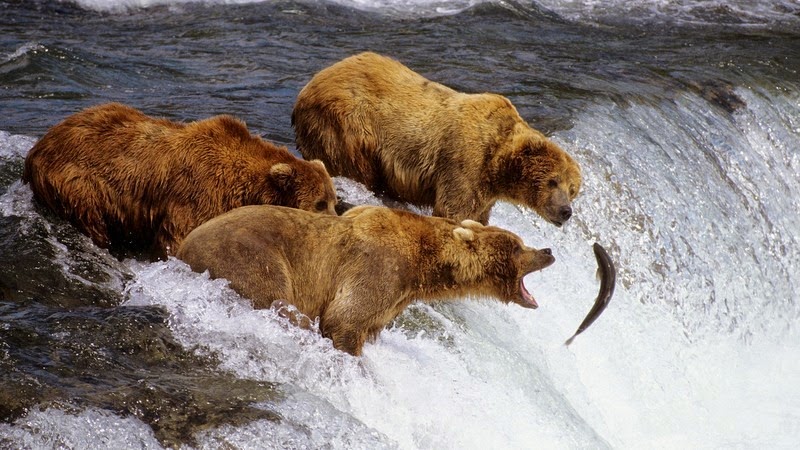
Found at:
<point>304,185</point>
<point>492,261</point>
<point>541,175</point>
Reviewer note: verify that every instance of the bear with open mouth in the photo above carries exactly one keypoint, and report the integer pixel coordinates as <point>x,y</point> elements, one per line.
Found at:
<point>359,271</point>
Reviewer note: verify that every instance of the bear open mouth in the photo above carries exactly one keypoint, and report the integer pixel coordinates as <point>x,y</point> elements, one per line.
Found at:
<point>527,299</point>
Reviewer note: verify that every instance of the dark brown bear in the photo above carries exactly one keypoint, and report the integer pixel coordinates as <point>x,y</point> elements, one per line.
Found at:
<point>122,177</point>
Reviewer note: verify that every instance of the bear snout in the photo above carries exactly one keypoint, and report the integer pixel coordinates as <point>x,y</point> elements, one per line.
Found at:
<point>543,259</point>
<point>558,209</point>
<point>565,213</point>
<point>534,260</point>
<point>558,214</point>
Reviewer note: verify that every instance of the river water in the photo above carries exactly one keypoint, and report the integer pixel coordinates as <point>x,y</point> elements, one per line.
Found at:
<point>683,114</point>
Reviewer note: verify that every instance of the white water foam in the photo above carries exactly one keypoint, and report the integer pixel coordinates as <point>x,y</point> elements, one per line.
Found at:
<point>15,199</point>
<point>90,428</point>
<point>700,209</point>
<point>703,208</point>
<point>14,147</point>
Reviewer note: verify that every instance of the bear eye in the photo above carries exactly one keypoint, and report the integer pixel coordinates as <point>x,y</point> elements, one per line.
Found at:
<point>573,191</point>
<point>321,205</point>
<point>552,183</point>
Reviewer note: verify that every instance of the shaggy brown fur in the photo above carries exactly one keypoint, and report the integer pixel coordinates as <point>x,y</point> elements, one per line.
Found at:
<point>125,178</point>
<point>357,272</point>
<point>372,119</point>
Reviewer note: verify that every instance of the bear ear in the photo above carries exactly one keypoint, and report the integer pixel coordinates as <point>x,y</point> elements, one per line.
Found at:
<point>318,162</point>
<point>463,234</point>
<point>282,174</point>
<point>468,223</point>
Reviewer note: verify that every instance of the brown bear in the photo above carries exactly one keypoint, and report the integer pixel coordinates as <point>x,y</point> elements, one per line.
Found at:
<point>358,271</point>
<point>124,178</point>
<point>372,119</point>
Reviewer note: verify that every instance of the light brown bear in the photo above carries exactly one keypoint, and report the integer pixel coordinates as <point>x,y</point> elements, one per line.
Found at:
<point>372,119</point>
<point>124,178</point>
<point>357,272</point>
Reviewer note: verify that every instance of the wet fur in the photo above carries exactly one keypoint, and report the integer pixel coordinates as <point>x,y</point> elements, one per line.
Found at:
<point>370,118</point>
<point>125,178</point>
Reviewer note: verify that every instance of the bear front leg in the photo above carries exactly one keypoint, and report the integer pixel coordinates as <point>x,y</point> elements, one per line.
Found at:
<point>357,312</point>
<point>90,214</point>
<point>459,203</point>
<point>292,314</point>
<point>346,337</point>
<point>176,224</point>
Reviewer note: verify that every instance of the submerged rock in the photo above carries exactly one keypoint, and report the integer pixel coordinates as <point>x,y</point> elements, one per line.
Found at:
<point>123,359</point>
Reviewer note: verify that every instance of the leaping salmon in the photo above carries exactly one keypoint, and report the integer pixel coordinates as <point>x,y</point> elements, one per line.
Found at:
<point>608,279</point>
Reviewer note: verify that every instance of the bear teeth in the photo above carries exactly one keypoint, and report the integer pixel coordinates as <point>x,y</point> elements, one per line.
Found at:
<point>526,296</point>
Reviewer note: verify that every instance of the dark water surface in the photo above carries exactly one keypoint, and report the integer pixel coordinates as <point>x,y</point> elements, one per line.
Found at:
<point>191,61</point>
<point>70,341</point>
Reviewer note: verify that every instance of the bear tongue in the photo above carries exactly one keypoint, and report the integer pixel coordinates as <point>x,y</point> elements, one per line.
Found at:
<point>527,298</point>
